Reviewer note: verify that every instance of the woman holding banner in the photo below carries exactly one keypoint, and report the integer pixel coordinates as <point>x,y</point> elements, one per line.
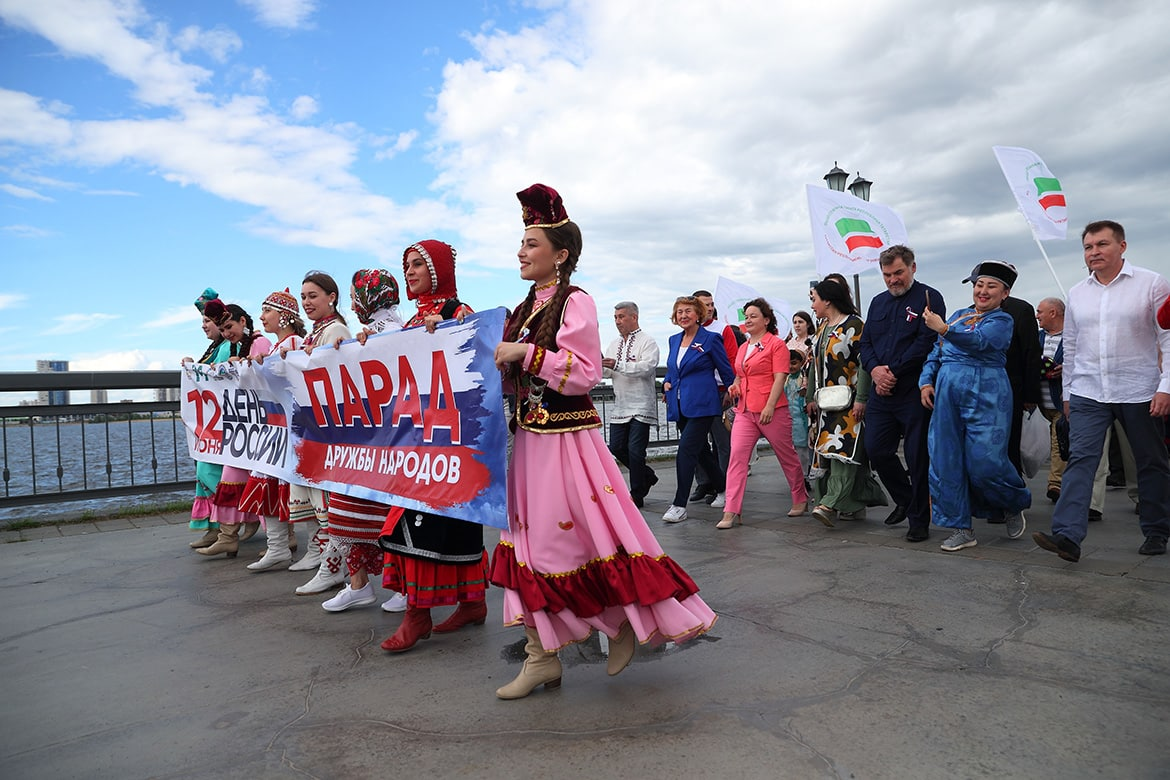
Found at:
<point>319,297</point>
<point>264,495</point>
<point>203,511</point>
<point>435,561</point>
<point>578,555</point>
<point>236,326</point>
<point>355,523</point>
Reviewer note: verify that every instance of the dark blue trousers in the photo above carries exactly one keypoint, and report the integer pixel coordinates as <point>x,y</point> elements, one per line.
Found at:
<point>889,421</point>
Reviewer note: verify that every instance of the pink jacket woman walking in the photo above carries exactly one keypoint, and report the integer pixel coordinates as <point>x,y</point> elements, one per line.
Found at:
<point>761,369</point>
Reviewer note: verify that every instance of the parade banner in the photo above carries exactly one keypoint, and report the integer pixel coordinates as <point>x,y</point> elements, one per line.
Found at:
<point>849,233</point>
<point>730,297</point>
<point>411,418</point>
<point>1038,193</point>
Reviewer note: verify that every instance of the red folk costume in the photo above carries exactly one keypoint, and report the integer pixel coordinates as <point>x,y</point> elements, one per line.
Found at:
<point>435,560</point>
<point>577,555</point>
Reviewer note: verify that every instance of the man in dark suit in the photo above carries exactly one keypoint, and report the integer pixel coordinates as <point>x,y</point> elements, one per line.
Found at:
<point>894,345</point>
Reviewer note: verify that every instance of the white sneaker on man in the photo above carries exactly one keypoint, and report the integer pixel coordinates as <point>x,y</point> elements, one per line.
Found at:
<point>720,501</point>
<point>676,514</point>
<point>348,597</point>
<point>396,603</point>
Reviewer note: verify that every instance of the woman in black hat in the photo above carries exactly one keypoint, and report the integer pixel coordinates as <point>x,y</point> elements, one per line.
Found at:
<point>965,383</point>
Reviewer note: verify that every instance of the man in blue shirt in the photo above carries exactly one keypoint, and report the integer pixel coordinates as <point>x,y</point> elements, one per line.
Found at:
<point>894,345</point>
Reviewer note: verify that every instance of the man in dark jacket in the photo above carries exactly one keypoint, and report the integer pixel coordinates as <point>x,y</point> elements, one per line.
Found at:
<point>894,345</point>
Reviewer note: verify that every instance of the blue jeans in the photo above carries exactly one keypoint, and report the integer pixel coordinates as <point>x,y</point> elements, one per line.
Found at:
<point>693,450</point>
<point>627,442</point>
<point>1088,420</point>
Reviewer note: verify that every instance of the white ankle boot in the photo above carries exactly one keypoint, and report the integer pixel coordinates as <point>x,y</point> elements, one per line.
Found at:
<point>312,557</point>
<point>330,572</point>
<point>277,552</point>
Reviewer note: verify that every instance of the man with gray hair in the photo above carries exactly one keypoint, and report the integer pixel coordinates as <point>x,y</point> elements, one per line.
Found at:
<point>631,361</point>
<point>1050,318</point>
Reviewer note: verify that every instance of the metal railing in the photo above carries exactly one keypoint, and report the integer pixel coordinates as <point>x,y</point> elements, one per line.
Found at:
<point>77,452</point>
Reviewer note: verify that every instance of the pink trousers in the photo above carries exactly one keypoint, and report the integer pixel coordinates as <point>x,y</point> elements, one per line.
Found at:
<point>744,434</point>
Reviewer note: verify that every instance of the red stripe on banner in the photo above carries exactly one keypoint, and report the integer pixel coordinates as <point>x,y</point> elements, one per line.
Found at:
<point>438,476</point>
<point>853,242</point>
<point>1048,201</point>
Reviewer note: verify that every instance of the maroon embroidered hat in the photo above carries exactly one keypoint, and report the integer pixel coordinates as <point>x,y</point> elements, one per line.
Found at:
<point>541,207</point>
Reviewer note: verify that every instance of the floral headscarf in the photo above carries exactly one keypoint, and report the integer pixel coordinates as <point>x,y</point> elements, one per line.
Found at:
<point>374,289</point>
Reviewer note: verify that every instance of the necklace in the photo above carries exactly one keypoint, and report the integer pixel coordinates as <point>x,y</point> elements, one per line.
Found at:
<point>318,327</point>
<point>546,285</point>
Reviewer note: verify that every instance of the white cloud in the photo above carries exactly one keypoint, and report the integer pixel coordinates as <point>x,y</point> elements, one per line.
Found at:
<point>12,300</point>
<point>259,79</point>
<point>175,315</point>
<point>78,323</point>
<point>26,231</point>
<point>282,13</point>
<point>219,43</point>
<point>681,135</point>
<point>24,192</point>
<point>401,143</point>
<point>303,107</point>
<point>25,120</point>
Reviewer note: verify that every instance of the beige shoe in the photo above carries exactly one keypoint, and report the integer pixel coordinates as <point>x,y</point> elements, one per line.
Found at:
<point>541,668</point>
<point>621,650</point>
<point>227,542</point>
<point>208,539</point>
<point>798,510</point>
<point>250,530</point>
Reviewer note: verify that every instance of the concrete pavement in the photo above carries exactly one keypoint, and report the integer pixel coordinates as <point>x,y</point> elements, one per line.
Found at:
<point>839,653</point>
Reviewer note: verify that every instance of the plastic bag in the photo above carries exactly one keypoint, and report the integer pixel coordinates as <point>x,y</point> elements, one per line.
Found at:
<point>1035,443</point>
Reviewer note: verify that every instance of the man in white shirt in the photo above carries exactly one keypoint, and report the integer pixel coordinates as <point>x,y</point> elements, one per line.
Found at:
<point>1112,345</point>
<point>631,361</point>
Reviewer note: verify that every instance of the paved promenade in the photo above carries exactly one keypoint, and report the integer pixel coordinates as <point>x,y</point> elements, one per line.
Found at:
<point>839,653</point>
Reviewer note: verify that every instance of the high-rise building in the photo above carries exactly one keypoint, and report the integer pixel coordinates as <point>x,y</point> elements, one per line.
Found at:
<point>166,394</point>
<point>52,397</point>
<point>99,396</point>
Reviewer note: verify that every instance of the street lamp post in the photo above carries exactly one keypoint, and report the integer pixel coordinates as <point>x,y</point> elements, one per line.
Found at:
<point>835,180</point>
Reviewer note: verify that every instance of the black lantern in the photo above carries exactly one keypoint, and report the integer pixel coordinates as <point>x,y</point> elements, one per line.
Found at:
<point>860,187</point>
<point>836,178</point>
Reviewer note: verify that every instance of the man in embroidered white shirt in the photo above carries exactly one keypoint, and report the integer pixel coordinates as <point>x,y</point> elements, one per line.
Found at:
<point>631,361</point>
<point>1111,372</point>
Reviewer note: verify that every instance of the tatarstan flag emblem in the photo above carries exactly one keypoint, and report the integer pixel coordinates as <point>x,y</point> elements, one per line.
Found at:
<point>857,233</point>
<point>1048,192</point>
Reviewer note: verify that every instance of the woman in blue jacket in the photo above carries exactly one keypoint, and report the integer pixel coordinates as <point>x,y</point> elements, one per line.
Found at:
<point>692,398</point>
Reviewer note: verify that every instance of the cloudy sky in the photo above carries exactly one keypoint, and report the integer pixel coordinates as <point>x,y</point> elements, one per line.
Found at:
<point>151,148</point>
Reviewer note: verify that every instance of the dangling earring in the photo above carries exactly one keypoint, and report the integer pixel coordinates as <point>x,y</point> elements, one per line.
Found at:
<point>558,273</point>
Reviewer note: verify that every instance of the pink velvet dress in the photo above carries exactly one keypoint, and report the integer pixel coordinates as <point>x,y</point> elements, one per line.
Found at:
<point>578,555</point>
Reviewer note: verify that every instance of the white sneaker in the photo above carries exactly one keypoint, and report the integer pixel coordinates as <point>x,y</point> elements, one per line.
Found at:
<point>676,514</point>
<point>720,501</point>
<point>348,597</point>
<point>396,603</point>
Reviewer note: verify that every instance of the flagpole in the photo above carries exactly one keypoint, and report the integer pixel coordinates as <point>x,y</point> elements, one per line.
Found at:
<point>1063,294</point>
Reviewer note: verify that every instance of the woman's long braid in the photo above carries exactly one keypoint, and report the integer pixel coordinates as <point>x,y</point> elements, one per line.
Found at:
<point>521,315</point>
<point>550,323</point>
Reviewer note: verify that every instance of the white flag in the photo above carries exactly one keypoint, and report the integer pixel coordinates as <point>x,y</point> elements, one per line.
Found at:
<point>848,232</point>
<point>730,297</point>
<point>1037,191</point>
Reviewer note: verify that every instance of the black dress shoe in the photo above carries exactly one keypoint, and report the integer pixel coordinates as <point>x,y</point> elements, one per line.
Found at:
<point>699,492</point>
<point>637,501</point>
<point>917,535</point>
<point>1095,516</point>
<point>1114,482</point>
<point>1053,494</point>
<point>897,516</point>
<point>1065,548</point>
<point>1153,545</point>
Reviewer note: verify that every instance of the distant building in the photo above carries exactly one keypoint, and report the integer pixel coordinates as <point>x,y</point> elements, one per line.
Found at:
<point>99,396</point>
<point>166,394</point>
<point>52,397</point>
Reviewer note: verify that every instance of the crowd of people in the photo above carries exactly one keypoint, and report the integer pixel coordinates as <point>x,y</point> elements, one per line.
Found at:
<point>929,404</point>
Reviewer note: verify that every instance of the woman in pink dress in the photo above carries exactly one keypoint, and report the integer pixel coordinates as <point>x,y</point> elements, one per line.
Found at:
<point>236,326</point>
<point>761,369</point>
<point>578,555</point>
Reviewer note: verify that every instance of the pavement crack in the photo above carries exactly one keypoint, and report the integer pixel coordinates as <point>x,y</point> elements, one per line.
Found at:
<point>357,651</point>
<point>1022,620</point>
<point>304,713</point>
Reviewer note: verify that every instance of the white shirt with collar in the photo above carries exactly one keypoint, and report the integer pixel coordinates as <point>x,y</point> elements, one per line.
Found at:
<point>635,362</point>
<point>1112,339</point>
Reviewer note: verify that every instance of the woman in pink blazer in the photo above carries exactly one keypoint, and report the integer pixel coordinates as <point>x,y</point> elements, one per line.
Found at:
<point>761,368</point>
